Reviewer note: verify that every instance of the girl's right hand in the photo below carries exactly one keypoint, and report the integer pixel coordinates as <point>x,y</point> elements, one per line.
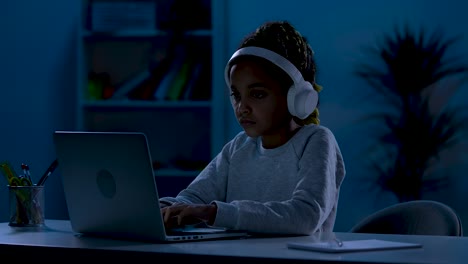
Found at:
<point>187,214</point>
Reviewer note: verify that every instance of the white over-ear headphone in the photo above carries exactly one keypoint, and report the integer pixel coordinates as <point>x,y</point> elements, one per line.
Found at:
<point>302,98</point>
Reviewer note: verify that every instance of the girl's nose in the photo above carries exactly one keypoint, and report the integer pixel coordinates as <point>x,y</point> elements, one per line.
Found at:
<point>242,107</point>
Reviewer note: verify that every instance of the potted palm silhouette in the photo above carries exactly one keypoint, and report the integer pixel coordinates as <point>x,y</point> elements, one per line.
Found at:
<point>410,70</point>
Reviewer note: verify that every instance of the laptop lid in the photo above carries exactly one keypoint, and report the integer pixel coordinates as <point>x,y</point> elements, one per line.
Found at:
<point>110,188</point>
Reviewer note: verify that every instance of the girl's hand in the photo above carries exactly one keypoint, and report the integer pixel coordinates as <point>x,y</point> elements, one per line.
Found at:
<point>188,214</point>
<point>164,204</point>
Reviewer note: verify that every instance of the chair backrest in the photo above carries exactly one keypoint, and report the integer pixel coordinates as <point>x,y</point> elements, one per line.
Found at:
<point>419,217</point>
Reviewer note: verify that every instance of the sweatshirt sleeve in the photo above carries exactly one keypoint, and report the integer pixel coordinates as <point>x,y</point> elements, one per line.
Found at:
<point>312,206</point>
<point>209,185</point>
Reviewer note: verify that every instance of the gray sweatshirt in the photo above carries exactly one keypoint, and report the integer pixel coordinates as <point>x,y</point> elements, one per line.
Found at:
<point>291,189</point>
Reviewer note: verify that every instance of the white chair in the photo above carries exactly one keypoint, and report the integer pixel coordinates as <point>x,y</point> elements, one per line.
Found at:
<point>419,217</point>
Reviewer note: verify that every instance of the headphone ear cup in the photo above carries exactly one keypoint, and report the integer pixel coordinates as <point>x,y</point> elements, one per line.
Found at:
<point>291,100</point>
<point>302,100</point>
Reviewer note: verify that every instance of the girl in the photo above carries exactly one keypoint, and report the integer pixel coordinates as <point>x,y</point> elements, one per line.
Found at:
<point>281,174</point>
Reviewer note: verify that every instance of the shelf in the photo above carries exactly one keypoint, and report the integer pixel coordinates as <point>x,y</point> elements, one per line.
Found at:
<point>191,130</point>
<point>139,34</point>
<point>144,104</point>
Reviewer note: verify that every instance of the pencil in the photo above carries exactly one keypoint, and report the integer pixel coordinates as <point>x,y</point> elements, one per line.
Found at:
<point>48,172</point>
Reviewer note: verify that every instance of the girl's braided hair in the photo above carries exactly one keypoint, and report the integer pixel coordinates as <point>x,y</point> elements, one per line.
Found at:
<point>282,38</point>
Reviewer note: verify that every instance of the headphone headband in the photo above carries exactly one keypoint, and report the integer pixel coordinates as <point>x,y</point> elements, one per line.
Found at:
<point>269,55</point>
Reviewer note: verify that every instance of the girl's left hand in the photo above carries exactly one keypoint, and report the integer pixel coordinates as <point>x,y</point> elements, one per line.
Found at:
<point>180,214</point>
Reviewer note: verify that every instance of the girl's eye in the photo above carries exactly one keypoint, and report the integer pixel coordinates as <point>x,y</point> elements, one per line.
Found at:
<point>258,94</point>
<point>235,95</point>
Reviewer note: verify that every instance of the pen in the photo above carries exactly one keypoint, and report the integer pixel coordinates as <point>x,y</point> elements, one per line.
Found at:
<point>23,166</point>
<point>48,172</point>
<point>26,171</point>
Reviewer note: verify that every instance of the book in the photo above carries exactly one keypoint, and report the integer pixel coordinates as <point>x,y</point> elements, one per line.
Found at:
<point>146,89</point>
<point>351,246</point>
<point>192,81</point>
<point>168,78</point>
<point>180,80</point>
<point>128,85</point>
<point>201,89</point>
<point>118,15</point>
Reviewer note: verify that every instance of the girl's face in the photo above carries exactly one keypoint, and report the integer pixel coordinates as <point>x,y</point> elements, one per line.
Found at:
<point>260,104</point>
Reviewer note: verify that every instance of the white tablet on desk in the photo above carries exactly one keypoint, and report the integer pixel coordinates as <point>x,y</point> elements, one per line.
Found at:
<point>352,246</point>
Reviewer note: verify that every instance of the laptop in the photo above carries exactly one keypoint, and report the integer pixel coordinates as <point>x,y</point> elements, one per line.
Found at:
<point>110,189</point>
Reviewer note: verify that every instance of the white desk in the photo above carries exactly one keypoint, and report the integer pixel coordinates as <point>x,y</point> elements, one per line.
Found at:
<point>58,242</point>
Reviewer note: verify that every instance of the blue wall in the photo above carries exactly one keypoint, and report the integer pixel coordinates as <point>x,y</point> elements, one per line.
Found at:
<point>38,65</point>
<point>37,83</point>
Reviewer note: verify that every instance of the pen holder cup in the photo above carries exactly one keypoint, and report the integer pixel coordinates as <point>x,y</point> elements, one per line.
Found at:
<point>26,206</point>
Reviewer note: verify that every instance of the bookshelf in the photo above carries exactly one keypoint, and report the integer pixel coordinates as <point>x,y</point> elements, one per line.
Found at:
<point>121,67</point>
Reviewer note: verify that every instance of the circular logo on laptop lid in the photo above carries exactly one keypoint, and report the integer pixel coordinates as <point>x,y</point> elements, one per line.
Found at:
<point>106,183</point>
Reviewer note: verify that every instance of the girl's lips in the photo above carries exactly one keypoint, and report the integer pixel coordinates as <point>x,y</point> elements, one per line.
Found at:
<point>246,122</point>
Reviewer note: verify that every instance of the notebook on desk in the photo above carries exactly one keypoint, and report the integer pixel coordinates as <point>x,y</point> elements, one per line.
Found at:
<point>110,188</point>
